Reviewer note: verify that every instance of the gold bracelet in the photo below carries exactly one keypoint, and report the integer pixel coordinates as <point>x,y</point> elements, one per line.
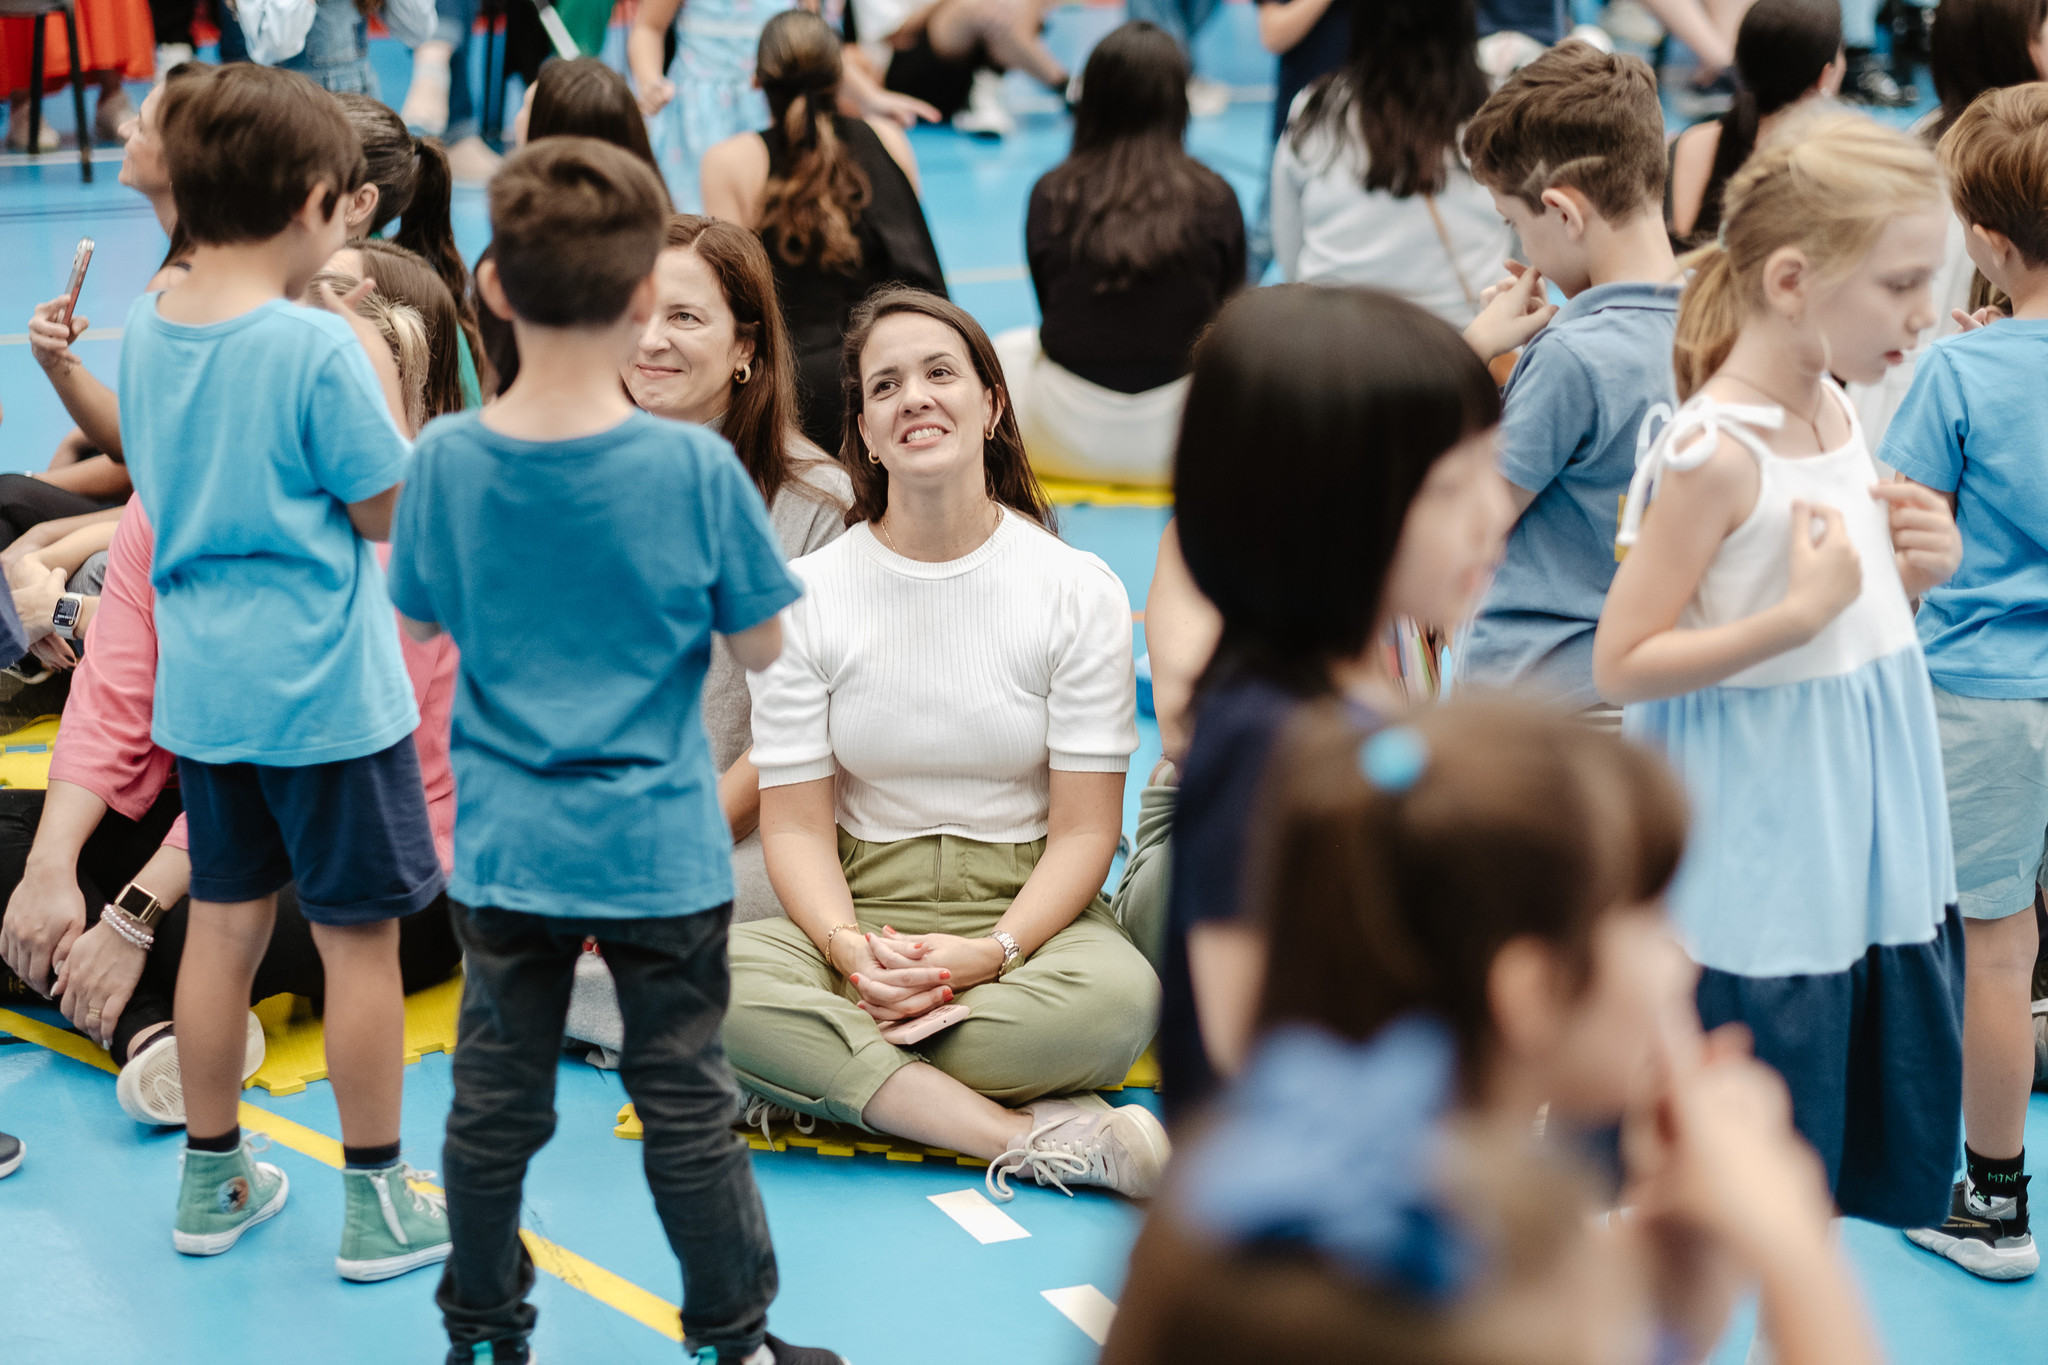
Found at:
<point>833,933</point>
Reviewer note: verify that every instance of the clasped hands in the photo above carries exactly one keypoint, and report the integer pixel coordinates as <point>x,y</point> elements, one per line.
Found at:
<point>900,976</point>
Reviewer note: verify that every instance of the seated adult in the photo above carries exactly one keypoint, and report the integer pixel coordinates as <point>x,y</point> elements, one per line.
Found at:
<point>951,53</point>
<point>1133,246</point>
<point>92,862</point>
<point>941,750</point>
<point>1788,52</point>
<point>715,353</point>
<point>86,478</point>
<point>1368,184</point>
<point>834,198</point>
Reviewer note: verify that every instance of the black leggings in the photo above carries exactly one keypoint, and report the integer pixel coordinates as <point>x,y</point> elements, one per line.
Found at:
<point>117,850</point>
<point>26,502</point>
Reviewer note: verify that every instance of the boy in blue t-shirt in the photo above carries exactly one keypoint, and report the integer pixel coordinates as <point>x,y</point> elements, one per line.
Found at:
<point>262,441</point>
<point>582,553</point>
<point>1572,148</point>
<point>1972,429</point>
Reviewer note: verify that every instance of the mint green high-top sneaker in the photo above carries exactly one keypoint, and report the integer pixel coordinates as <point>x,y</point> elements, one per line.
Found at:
<point>390,1227</point>
<point>221,1196</point>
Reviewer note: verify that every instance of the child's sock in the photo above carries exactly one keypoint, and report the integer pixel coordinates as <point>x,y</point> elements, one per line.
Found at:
<point>226,1142</point>
<point>370,1158</point>
<point>1996,1177</point>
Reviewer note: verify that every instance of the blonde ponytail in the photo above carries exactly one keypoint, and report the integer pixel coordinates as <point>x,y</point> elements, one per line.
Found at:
<point>1826,184</point>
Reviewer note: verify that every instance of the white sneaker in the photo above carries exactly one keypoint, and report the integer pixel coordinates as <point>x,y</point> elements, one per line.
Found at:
<point>1084,1140</point>
<point>985,115</point>
<point>1632,22</point>
<point>472,162</point>
<point>1207,98</point>
<point>17,133</point>
<point>149,1088</point>
<point>169,55</point>
<point>761,1113</point>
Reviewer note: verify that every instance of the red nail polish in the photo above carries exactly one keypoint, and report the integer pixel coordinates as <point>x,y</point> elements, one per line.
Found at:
<point>949,992</point>
<point>945,975</point>
<point>855,978</point>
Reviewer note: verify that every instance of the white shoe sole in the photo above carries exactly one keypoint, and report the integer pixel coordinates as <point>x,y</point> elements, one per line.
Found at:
<point>390,1267</point>
<point>214,1243</point>
<point>149,1089</point>
<point>1141,1130</point>
<point>13,1163</point>
<point>1985,1262</point>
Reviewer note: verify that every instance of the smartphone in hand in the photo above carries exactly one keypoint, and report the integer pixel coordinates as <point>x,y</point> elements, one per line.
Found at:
<point>77,281</point>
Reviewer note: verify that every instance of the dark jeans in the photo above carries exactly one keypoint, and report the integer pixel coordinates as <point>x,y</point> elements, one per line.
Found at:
<point>117,850</point>
<point>673,986</point>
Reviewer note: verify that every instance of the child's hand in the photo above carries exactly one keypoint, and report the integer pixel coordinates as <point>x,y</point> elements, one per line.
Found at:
<point>50,337</point>
<point>374,346</point>
<point>1827,573</point>
<point>1983,317</point>
<point>1925,541</point>
<point>1510,312</point>
<point>654,95</point>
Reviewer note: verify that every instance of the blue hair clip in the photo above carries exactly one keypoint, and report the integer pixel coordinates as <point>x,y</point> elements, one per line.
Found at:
<point>1333,1146</point>
<point>1394,759</point>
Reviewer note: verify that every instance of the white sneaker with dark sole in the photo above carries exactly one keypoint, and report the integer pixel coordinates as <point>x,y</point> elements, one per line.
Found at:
<point>149,1088</point>
<point>1987,1237</point>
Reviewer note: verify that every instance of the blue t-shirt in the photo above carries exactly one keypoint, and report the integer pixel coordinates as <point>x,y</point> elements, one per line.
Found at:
<point>581,581</point>
<point>247,440</point>
<point>1973,424</point>
<point>1588,394</point>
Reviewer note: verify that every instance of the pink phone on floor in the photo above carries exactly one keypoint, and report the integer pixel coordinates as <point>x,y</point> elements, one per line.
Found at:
<point>904,1032</point>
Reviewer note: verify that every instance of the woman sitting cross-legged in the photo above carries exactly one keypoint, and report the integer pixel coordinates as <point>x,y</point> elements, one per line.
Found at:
<point>941,751</point>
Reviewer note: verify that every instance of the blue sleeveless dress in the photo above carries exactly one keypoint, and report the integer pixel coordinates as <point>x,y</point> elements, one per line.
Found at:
<point>1818,890</point>
<point>715,99</point>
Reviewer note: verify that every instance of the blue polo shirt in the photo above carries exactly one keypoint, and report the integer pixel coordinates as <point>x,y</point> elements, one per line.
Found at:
<point>1974,424</point>
<point>582,581</point>
<point>1589,393</point>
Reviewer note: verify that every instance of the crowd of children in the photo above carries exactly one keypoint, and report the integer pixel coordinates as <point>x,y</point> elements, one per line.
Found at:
<point>1529,1026</point>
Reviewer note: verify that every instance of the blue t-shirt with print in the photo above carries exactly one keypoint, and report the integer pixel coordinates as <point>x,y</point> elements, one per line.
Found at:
<point>582,581</point>
<point>1973,424</point>
<point>1584,399</point>
<point>247,440</point>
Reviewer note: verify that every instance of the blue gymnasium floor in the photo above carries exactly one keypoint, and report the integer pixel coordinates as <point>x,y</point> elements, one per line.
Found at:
<point>869,1266</point>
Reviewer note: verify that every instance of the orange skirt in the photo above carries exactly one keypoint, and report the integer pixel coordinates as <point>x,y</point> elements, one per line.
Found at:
<point>113,35</point>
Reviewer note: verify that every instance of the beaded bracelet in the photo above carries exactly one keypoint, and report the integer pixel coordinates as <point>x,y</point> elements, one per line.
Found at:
<point>128,927</point>
<point>834,932</point>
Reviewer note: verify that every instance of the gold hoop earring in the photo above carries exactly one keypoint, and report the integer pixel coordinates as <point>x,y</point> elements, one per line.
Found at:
<point>872,457</point>
<point>990,434</point>
<point>743,373</point>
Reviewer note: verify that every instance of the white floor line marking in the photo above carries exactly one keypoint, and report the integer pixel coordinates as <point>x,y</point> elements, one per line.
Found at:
<point>1087,1307</point>
<point>984,1222</point>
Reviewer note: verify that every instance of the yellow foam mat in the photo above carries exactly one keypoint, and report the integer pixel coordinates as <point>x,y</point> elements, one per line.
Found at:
<point>25,754</point>
<point>1069,492</point>
<point>295,1044</point>
<point>837,1139</point>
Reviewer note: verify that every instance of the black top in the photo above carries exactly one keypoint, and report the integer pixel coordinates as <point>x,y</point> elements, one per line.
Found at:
<point>1236,726</point>
<point>1321,50</point>
<point>1140,337</point>
<point>1729,155</point>
<point>895,247</point>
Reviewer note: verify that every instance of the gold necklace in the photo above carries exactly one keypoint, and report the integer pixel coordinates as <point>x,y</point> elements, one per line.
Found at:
<point>1818,440</point>
<point>890,541</point>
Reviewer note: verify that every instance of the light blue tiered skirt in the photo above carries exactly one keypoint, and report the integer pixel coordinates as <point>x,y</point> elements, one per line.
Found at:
<point>1818,891</point>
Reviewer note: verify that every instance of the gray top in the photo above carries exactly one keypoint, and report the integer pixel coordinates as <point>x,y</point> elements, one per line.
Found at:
<point>803,522</point>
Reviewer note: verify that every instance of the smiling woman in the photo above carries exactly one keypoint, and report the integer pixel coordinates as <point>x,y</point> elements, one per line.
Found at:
<point>942,749</point>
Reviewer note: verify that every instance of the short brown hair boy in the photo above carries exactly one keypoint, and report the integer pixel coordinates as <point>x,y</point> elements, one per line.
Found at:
<point>244,146</point>
<point>576,225</point>
<point>1996,159</point>
<point>1575,118</point>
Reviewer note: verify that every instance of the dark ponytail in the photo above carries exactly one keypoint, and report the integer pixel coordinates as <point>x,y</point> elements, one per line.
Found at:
<point>809,213</point>
<point>428,231</point>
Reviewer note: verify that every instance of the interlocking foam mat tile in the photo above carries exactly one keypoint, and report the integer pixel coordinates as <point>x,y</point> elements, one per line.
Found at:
<point>25,754</point>
<point>838,1139</point>
<point>1072,492</point>
<point>295,1043</point>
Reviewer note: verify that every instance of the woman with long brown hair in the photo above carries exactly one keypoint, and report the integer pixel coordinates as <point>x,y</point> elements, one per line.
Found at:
<point>834,198</point>
<point>715,353</point>
<point>941,750</point>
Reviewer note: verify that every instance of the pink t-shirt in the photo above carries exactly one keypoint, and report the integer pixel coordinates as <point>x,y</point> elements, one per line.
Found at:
<point>104,744</point>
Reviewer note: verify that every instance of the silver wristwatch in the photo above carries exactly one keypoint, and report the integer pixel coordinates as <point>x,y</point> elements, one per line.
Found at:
<point>1012,954</point>
<point>64,616</point>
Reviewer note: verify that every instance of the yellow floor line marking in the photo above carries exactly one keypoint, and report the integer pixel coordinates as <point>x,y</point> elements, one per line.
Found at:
<point>614,1291</point>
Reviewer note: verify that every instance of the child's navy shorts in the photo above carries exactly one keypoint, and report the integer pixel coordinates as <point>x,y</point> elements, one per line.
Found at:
<point>354,834</point>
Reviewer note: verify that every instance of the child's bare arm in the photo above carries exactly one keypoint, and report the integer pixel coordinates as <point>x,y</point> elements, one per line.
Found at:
<point>1639,654</point>
<point>758,647</point>
<point>1283,26</point>
<point>372,516</point>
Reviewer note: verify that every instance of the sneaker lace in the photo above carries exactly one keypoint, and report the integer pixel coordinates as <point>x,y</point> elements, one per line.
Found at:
<point>1046,1159</point>
<point>433,1205</point>
<point>762,1114</point>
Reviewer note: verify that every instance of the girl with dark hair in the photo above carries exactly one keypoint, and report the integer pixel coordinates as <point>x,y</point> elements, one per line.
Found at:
<point>834,198</point>
<point>328,41</point>
<point>582,97</point>
<point>1133,246</point>
<point>941,750</point>
<point>715,352</point>
<point>1788,52</point>
<point>1390,501</point>
<point>1368,186</point>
